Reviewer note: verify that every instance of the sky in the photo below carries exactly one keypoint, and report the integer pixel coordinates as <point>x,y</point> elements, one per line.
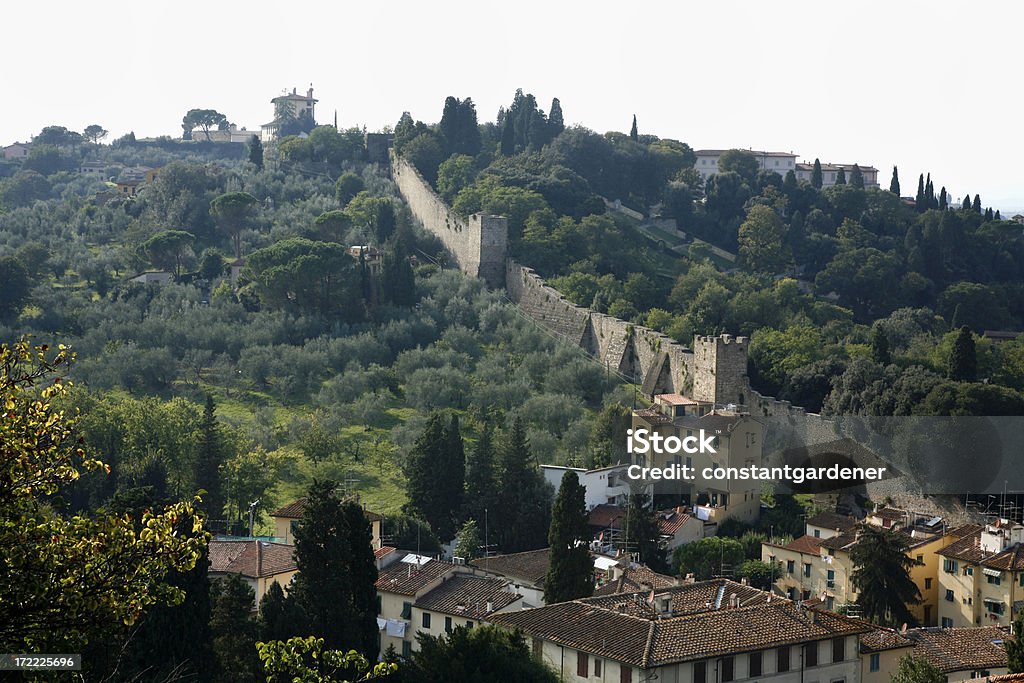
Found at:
<point>933,87</point>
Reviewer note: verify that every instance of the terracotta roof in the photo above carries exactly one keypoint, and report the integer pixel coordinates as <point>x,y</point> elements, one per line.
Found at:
<point>843,541</point>
<point>832,520</point>
<point>530,566</point>
<point>881,639</point>
<point>254,559</point>
<point>968,549</point>
<point>408,579</point>
<point>635,578</point>
<point>807,545</point>
<point>294,509</point>
<point>468,596</point>
<point>961,649</point>
<point>1007,678</point>
<point>891,514</point>
<point>597,626</point>
<point>688,598</point>
<point>677,399</point>
<point>383,551</point>
<point>605,516</point>
<point>671,521</point>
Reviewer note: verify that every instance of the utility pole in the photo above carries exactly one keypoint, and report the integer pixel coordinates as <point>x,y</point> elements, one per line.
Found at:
<point>252,514</point>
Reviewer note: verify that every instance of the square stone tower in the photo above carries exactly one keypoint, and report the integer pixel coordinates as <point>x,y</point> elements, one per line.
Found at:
<point>720,370</point>
<point>490,234</point>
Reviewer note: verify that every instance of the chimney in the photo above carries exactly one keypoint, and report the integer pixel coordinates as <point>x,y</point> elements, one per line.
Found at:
<point>259,559</point>
<point>309,93</point>
<point>293,91</point>
<point>490,606</point>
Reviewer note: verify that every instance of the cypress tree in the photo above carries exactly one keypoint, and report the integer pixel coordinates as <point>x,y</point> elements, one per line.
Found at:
<point>233,630</point>
<point>397,281</point>
<point>508,136</point>
<point>880,346</point>
<point>256,152</point>
<point>967,203</point>
<point>280,616</point>
<point>919,201</point>
<point>435,469</point>
<point>998,217</point>
<point>523,503</point>
<point>856,178</point>
<point>929,192</point>
<point>976,206</point>
<point>943,200</point>
<point>816,175</point>
<point>894,184</point>
<point>633,135</point>
<point>555,119</point>
<point>988,214</point>
<point>480,483</point>
<point>963,361</point>
<point>209,460</point>
<point>571,572</point>
<point>1015,646</point>
<point>789,183</point>
<point>643,536</point>
<point>841,176</point>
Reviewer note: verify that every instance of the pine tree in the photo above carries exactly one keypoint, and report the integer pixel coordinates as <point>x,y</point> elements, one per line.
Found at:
<point>633,135</point>
<point>480,483</point>
<point>816,179</point>
<point>256,152</point>
<point>209,459</point>
<point>880,346</point>
<point>943,199</point>
<point>894,184</point>
<point>337,571</point>
<point>919,201</point>
<point>571,572</point>
<point>643,536</point>
<point>280,616</point>
<point>963,360</point>
<point>523,501</point>
<point>976,205</point>
<point>555,118</point>
<point>881,576</point>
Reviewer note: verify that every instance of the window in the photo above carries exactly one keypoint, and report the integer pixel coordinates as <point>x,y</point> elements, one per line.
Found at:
<point>811,654</point>
<point>838,649</point>
<point>830,578</point>
<point>426,620</point>
<point>928,583</point>
<point>830,603</point>
<point>782,659</point>
<point>968,571</point>
<point>625,674</point>
<point>920,559</point>
<point>790,566</point>
<point>947,622</point>
<point>727,669</point>
<point>700,672</point>
<point>806,595</point>
<point>407,610</point>
<point>949,566</point>
<point>817,533</point>
<point>1022,579</point>
<point>469,624</point>
<point>447,624</point>
<point>949,596</point>
<point>597,667</point>
<point>995,580</point>
<point>995,607</point>
<point>378,604</point>
<point>875,662</point>
<point>754,668</point>
<point>582,662</point>
<point>807,569</point>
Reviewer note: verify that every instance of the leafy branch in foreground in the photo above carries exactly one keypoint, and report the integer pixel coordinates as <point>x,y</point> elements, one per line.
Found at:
<point>304,660</point>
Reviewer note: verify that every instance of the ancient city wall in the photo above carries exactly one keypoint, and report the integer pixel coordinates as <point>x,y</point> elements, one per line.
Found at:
<point>715,370</point>
<point>477,247</point>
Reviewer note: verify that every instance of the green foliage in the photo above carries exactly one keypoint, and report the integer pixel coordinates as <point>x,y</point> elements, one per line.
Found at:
<point>916,670</point>
<point>522,505</point>
<point>305,660</point>
<point>762,241</point>
<point>458,128</point>
<point>456,173</point>
<point>306,277</point>
<point>15,288</point>
<point>90,587</point>
<point>709,557</point>
<point>963,361</point>
<point>204,120</point>
<point>169,250</point>
<point>337,571</point>
<point>435,470</point>
<point>347,186</point>
<point>233,210</point>
<point>816,179</point>
<point>642,533</point>
<point>280,616</point>
<point>233,630</point>
<point>881,576</point>
<point>480,475</point>
<point>571,573</point>
<point>1015,646</point>
<point>468,541</point>
<point>760,574</point>
<point>255,150</point>
<point>486,654</point>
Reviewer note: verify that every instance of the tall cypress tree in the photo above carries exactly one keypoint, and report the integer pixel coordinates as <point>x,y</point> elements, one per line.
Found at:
<point>523,503</point>
<point>929,192</point>
<point>337,571</point>
<point>209,459</point>
<point>424,469</point>
<point>571,572</point>
<point>967,203</point>
<point>256,152</point>
<point>998,216</point>
<point>280,616</point>
<point>643,536</point>
<point>894,184</point>
<point>397,281</point>
<point>963,360</point>
<point>633,134</point>
<point>880,346</point>
<point>988,214</point>
<point>919,201</point>
<point>857,177</point>
<point>233,631</point>
<point>976,205</point>
<point>841,176</point>
<point>555,118</point>
<point>816,179</point>
<point>943,199</point>
<point>480,483</point>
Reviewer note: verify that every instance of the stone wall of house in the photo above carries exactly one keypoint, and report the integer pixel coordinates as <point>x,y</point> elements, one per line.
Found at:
<point>478,246</point>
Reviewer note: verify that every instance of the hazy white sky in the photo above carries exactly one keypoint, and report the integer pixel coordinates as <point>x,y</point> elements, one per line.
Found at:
<point>930,86</point>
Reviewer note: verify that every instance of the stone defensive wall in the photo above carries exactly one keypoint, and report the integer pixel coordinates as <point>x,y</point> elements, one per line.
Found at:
<point>715,370</point>
<point>477,247</point>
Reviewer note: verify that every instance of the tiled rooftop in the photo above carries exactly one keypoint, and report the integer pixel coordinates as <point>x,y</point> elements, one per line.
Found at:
<point>403,578</point>
<point>961,649</point>
<point>468,596</point>
<point>530,566</point>
<point>254,559</point>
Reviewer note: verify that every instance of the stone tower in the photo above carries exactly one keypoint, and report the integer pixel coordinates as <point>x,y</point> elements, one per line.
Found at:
<point>488,241</point>
<point>720,370</point>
